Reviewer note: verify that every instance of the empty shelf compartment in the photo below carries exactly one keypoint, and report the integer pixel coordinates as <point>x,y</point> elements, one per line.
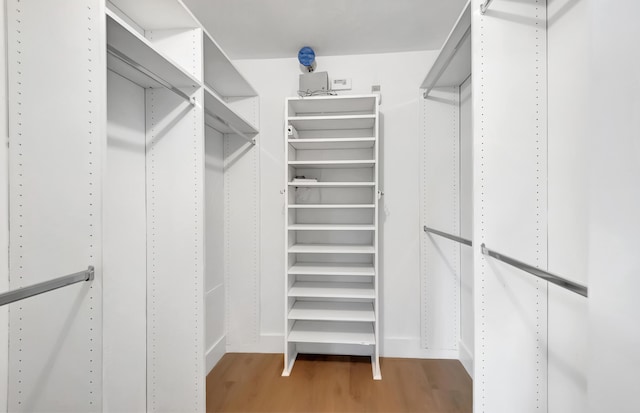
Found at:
<point>347,122</point>
<point>332,311</point>
<point>331,227</point>
<point>322,268</point>
<point>331,206</point>
<point>331,249</point>
<point>347,164</point>
<point>333,184</point>
<point>323,106</point>
<point>332,143</point>
<point>332,332</point>
<point>314,289</point>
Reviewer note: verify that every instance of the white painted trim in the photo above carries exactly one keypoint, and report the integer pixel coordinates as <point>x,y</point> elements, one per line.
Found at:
<point>410,347</point>
<point>215,353</point>
<point>267,343</point>
<point>466,358</point>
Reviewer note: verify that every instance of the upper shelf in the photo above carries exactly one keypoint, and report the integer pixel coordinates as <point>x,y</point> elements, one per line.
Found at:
<point>167,14</point>
<point>222,118</point>
<point>332,105</point>
<point>128,42</point>
<point>453,64</point>
<point>221,74</point>
<point>302,123</point>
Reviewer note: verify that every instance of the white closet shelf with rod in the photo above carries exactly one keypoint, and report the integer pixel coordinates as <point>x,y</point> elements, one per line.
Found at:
<point>133,57</point>
<point>224,119</point>
<point>453,64</point>
<point>540,273</point>
<point>46,286</point>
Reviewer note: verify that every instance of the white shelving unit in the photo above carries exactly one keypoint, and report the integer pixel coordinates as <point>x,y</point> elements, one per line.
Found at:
<point>331,241</point>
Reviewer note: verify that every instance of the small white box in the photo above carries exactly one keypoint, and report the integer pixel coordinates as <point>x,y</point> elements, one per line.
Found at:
<point>314,83</point>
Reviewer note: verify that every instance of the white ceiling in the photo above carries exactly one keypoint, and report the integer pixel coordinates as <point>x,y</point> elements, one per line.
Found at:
<point>252,29</point>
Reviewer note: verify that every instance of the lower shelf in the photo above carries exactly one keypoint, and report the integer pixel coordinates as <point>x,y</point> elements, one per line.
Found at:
<point>332,311</point>
<point>332,332</point>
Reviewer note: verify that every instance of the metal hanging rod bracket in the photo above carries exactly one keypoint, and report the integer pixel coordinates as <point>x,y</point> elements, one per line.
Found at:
<point>545,275</point>
<point>485,6</point>
<point>137,66</point>
<point>43,287</point>
<point>449,236</point>
<point>230,126</point>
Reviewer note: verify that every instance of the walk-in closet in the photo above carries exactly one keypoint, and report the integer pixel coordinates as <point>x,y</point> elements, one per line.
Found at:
<point>327,206</point>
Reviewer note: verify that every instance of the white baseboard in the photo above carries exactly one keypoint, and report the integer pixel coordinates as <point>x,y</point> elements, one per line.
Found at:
<point>402,347</point>
<point>267,343</point>
<point>466,358</point>
<point>215,353</point>
<point>407,347</point>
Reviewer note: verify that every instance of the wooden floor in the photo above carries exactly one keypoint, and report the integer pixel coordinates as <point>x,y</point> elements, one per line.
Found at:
<point>253,383</point>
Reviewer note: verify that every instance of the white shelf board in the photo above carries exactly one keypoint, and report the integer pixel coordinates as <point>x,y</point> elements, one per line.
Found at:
<point>333,184</point>
<point>332,311</point>
<point>221,74</point>
<point>122,37</point>
<point>453,64</point>
<point>214,104</point>
<point>331,249</point>
<point>302,123</point>
<point>314,289</point>
<point>167,14</point>
<point>343,164</point>
<point>332,332</point>
<point>323,268</point>
<point>331,206</point>
<point>331,227</point>
<point>328,105</point>
<point>332,143</point>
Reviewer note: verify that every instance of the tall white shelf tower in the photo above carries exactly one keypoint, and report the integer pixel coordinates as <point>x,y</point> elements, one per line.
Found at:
<point>331,234</point>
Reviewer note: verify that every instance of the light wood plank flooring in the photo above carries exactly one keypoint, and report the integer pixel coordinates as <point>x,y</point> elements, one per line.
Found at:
<point>252,383</point>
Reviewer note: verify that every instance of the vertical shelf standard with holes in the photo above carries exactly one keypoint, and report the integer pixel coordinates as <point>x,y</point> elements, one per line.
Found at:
<point>331,228</point>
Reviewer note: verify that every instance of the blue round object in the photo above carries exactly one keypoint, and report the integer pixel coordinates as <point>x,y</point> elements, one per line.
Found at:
<point>306,56</point>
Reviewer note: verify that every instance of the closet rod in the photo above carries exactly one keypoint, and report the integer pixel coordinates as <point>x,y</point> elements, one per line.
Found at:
<point>547,276</point>
<point>43,287</point>
<point>449,236</point>
<point>230,126</point>
<point>127,60</point>
<point>485,6</point>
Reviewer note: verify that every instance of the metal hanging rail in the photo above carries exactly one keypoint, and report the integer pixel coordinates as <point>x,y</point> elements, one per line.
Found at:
<point>485,6</point>
<point>230,126</point>
<point>449,236</point>
<point>129,61</point>
<point>43,287</point>
<point>545,275</point>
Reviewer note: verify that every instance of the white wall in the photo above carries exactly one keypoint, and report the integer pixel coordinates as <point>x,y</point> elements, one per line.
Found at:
<point>567,29</point>
<point>614,201</point>
<point>399,76</point>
